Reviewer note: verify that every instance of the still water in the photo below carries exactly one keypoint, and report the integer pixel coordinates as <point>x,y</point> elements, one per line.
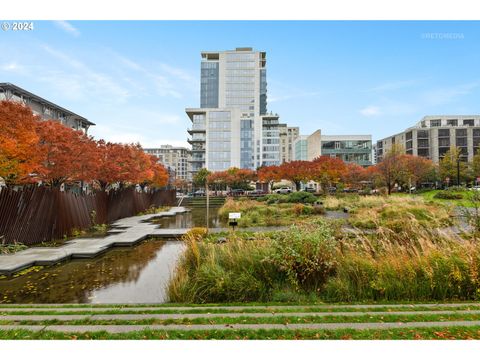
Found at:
<point>137,274</point>
<point>122,275</point>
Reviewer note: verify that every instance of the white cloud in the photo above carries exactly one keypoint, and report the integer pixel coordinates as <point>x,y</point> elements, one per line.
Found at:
<point>67,27</point>
<point>445,95</point>
<point>394,85</point>
<point>370,111</point>
<point>13,67</point>
<point>85,82</point>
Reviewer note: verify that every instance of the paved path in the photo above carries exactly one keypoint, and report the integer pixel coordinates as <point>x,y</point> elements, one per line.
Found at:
<point>152,307</point>
<point>132,317</point>
<point>125,232</point>
<point>252,318</point>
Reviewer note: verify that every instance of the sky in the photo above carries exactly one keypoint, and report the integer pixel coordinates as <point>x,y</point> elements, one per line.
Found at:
<point>134,79</point>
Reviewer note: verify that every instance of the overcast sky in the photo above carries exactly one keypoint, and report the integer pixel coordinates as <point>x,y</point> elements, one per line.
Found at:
<point>134,79</point>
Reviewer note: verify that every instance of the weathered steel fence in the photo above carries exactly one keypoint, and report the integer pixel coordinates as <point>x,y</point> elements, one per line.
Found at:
<point>39,214</point>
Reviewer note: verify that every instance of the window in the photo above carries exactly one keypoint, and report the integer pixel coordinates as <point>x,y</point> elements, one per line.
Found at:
<point>468,122</point>
<point>452,122</point>
<point>443,133</point>
<point>423,143</point>
<point>422,134</point>
<point>444,142</point>
<point>435,123</point>
<point>423,152</point>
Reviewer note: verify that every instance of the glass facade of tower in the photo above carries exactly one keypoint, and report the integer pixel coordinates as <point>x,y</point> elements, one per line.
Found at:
<point>219,140</point>
<point>357,151</point>
<point>263,91</point>
<point>209,84</point>
<point>246,144</point>
<point>235,129</point>
<point>300,146</point>
<point>240,81</point>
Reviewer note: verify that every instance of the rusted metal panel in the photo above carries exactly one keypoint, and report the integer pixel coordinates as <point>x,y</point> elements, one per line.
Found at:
<point>39,214</point>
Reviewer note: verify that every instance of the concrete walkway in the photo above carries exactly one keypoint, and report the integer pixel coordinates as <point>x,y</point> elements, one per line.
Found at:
<point>125,232</point>
<point>63,308</point>
<point>362,318</point>
<point>132,317</point>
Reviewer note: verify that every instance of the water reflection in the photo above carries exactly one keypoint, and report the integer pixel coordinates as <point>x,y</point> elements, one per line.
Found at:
<point>197,217</point>
<point>128,275</point>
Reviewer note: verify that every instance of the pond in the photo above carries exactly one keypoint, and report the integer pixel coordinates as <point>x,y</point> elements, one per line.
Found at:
<point>196,217</point>
<point>138,274</point>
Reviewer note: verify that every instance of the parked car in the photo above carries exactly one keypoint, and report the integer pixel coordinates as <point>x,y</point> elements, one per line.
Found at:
<point>236,192</point>
<point>199,193</point>
<point>310,189</point>
<point>283,190</point>
<point>257,192</point>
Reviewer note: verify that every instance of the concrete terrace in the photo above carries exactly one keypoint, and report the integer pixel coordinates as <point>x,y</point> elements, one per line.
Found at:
<point>125,232</point>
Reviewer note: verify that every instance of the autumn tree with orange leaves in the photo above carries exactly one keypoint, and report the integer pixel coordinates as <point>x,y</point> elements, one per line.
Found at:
<point>327,171</point>
<point>66,154</point>
<point>35,150</point>
<point>234,178</point>
<point>269,174</point>
<point>296,171</point>
<point>354,175</point>
<point>18,143</point>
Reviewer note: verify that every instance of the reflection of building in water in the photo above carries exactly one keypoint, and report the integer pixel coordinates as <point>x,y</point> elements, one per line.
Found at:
<point>77,280</point>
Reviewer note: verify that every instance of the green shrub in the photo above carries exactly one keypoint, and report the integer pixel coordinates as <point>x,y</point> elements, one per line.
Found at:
<point>302,197</point>
<point>306,254</point>
<point>448,195</point>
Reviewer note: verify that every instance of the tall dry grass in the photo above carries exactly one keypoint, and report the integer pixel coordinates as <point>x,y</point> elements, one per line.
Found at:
<point>406,256</point>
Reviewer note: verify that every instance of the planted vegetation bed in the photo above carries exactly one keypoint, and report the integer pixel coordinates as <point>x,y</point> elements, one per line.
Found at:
<point>408,256</point>
<point>272,210</point>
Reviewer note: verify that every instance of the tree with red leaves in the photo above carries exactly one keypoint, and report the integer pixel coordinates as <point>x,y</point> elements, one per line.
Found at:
<point>19,156</point>
<point>327,171</point>
<point>66,154</point>
<point>354,175</point>
<point>296,171</point>
<point>269,174</point>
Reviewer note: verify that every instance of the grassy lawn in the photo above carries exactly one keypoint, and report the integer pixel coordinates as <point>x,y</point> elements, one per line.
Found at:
<point>430,197</point>
<point>434,333</point>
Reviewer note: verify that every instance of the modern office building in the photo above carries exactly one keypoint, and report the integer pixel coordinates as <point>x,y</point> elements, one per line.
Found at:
<point>232,127</point>
<point>300,148</point>
<point>45,109</point>
<point>176,159</point>
<point>350,148</point>
<point>433,136</point>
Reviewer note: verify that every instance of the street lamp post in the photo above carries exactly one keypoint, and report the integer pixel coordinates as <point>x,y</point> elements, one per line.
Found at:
<point>208,202</point>
<point>458,170</point>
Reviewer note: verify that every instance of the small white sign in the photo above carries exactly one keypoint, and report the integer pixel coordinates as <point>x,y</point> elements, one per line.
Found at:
<point>234,215</point>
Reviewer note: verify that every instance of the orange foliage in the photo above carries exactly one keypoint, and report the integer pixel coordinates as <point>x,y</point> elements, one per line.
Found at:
<point>66,154</point>
<point>18,143</point>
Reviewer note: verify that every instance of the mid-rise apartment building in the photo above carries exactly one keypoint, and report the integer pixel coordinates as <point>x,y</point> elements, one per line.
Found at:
<point>350,148</point>
<point>288,135</point>
<point>45,109</point>
<point>434,135</point>
<point>232,128</point>
<point>176,159</point>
